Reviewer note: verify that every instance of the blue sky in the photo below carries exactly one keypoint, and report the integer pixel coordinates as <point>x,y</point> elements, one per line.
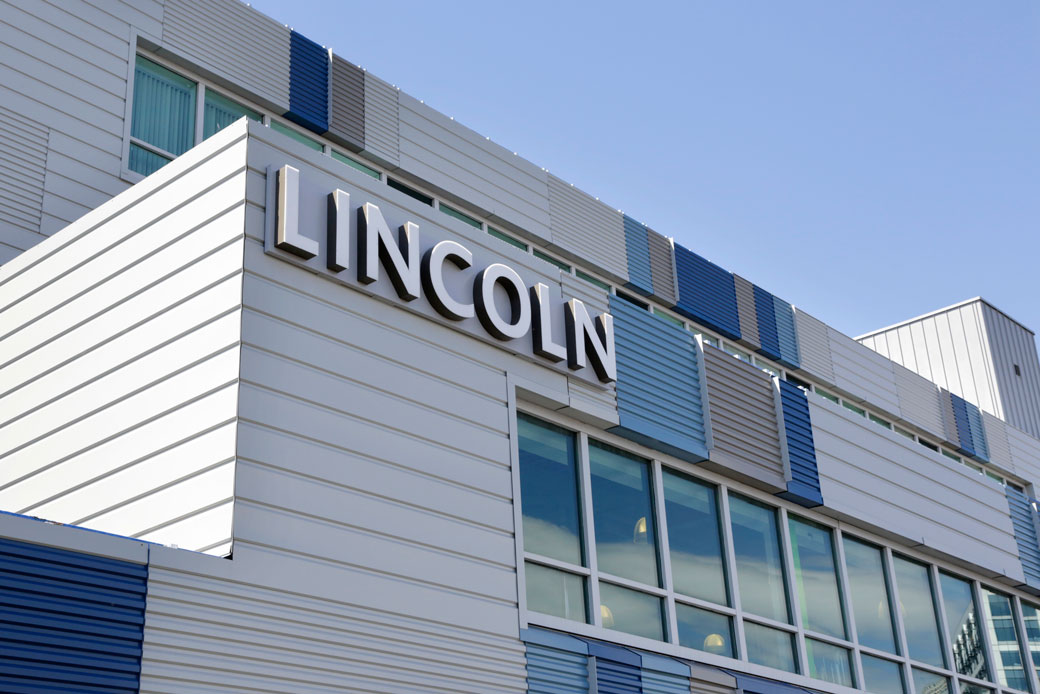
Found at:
<point>867,161</point>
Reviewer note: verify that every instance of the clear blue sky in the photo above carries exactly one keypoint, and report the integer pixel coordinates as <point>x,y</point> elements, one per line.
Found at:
<point>865,160</point>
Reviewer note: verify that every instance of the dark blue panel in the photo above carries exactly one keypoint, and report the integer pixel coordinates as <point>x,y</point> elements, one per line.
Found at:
<point>978,432</point>
<point>960,417</point>
<point>804,486</point>
<point>768,337</point>
<point>71,622</point>
<point>707,293</point>
<point>637,247</point>
<point>658,383</point>
<point>786,333</point>
<point>1021,510</point>
<point>308,84</point>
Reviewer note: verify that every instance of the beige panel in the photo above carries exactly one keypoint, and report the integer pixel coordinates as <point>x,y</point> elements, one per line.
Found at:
<point>746,310</point>
<point>814,346</point>
<point>382,121</point>
<point>586,229</point>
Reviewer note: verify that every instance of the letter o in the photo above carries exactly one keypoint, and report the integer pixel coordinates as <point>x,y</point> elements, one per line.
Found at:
<point>519,321</point>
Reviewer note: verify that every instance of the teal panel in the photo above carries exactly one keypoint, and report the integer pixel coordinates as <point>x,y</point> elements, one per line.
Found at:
<point>786,333</point>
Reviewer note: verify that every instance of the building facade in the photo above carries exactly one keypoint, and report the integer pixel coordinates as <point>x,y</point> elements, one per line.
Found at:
<point>308,388</point>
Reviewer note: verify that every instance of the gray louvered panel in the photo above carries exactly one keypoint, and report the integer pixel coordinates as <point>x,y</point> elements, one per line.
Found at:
<point>382,121</point>
<point>997,439</point>
<point>862,372</point>
<point>949,427</point>
<point>746,311</point>
<point>347,121</point>
<point>918,399</point>
<point>662,267</point>
<point>815,346</point>
<point>23,168</point>
<point>743,422</point>
<point>583,227</point>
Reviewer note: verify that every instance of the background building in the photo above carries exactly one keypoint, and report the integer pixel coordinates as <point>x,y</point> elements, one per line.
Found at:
<point>300,463</point>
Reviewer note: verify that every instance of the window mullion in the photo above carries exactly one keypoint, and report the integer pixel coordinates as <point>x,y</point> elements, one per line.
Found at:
<point>897,616</point>
<point>844,595</point>
<point>588,527</point>
<point>731,571</point>
<point>944,630</point>
<point>791,584</point>
<point>152,148</point>
<point>982,618</point>
<point>1023,643</point>
<point>200,110</point>
<point>664,552</point>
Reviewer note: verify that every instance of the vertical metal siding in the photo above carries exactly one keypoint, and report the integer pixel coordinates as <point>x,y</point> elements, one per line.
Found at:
<point>1022,519</point>
<point>637,245</point>
<point>662,267</point>
<point>554,671</point>
<point>804,484</point>
<point>382,121</point>
<point>347,115</point>
<point>71,622</point>
<point>960,418</point>
<point>586,228</point>
<point>658,385</point>
<point>765,313</point>
<point>308,84</point>
<point>746,312</point>
<point>978,432</point>
<point>707,293</point>
<point>814,346</point>
<point>1011,344</point>
<point>23,167</point>
<point>787,336</point>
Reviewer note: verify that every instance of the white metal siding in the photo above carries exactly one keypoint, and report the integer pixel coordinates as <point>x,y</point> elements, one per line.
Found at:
<point>586,228</point>
<point>1025,454</point>
<point>918,400</point>
<point>23,165</point>
<point>863,373</point>
<point>382,121</point>
<point>591,403</point>
<point>997,440</point>
<point>814,345</point>
<point>1012,345</point>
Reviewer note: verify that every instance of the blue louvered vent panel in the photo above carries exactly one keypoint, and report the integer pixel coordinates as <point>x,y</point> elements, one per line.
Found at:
<point>658,383</point>
<point>804,485</point>
<point>637,246</point>
<point>960,418</point>
<point>308,84</point>
<point>554,671</point>
<point>617,678</point>
<point>1021,509</point>
<point>978,432</point>
<point>707,293</point>
<point>664,683</point>
<point>70,622</point>
<point>768,336</point>
<point>786,333</point>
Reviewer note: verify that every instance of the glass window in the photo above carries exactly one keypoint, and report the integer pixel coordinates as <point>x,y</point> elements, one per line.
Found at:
<point>709,340</point>
<point>868,592</point>
<point>734,352</point>
<point>298,136</point>
<point>950,455</point>
<point>770,647</point>
<point>668,317</point>
<point>969,688</point>
<point>507,238</point>
<point>1003,639</point>
<point>163,115</point>
<point>903,432</point>
<point>880,422</point>
<point>551,260</point>
<point>409,191</point>
<point>756,544</point>
<point>555,592</point>
<point>815,572</point>
<point>144,161</point>
<point>631,611</point>
<point>694,539</point>
<point>853,408</point>
<point>461,216</point>
<point>1031,618</point>
<point>828,662</point>
<point>929,683</point>
<point>917,607</point>
<point>219,112</point>
<point>827,396</point>
<point>626,535</point>
<point>549,490</point>
<point>704,630</point>
<point>882,676</point>
<point>962,627</point>
<point>591,280</point>
<point>350,161</point>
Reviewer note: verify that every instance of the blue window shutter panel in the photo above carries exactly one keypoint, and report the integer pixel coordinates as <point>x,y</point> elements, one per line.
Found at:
<point>658,384</point>
<point>787,336</point>
<point>71,622</point>
<point>618,670</point>
<point>978,432</point>
<point>768,336</point>
<point>707,293</point>
<point>804,486</point>
<point>637,246</point>
<point>960,418</point>
<point>554,671</point>
<point>1020,507</point>
<point>308,84</point>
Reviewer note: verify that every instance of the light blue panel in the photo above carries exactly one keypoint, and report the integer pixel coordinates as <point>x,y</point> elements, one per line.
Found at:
<point>658,384</point>
<point>618,670</point>
<point>308,84</point>
<point>787,336</point>
<point>71,622</point>
<point>978,432</point>
<point>554,671</point>
<point>656,682</point>
<point>707,293</point>
<point>804,485</point>
<point>960,418</point>
<point>1021,510</point>
<point>765,310</point>
<point>749,684</point>
<point>637,246</point>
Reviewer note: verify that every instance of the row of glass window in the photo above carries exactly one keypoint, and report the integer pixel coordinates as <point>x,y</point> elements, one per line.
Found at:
<point>610,542</point>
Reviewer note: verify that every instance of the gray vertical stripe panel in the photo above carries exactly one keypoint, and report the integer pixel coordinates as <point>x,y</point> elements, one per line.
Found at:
<point>347,117</point>
<point>746,311</point>
<point>585,228</point>
<point>1011,345</point>
<point>382,121</point>
<point>815,346</point>
<point>23,168</point>
<point>918,399</point>
<point>997,440</point>
<point>662,267</point>
<point>743,421</point>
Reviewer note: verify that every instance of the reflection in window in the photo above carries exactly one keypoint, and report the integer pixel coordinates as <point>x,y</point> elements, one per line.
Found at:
<point>694,542</point>
<point>917,606</point>
<point>969,688</point>
<point>163,116</point>
<point>770,647</point>
<point>1031,618</point>
<point>706,631</point>
<point>549,491</point>
<point>962,625</point>
<point>756,545</point>
<point>881,676</point>
<point>630,611</point>
<point>929,683</point>
<point>626,537</point>
<point>1003,639</point>
<point>815,572</point>
<point>554,592</point>
<point>828,663</point>
<point>220,112</point>
<point>868,591</point>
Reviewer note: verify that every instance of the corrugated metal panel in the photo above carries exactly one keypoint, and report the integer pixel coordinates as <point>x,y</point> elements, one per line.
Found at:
<point>662,267</point>
<point>308,83</point>
<point>637,245</point>
<point>347,122</point>
<point>949,428</point>
<point>918,399</point>
<point>23,166</point>
<point>765,314</point>
<point>382,121</point>
<point>707,293</point>
<point>1012,345</point>
<point>997,442</point>
<point>554,671</point>
<point>746,312</point>
<point>1025,453</point>
<point>617,669</point>
<point>658,385</point>
<point>655,682</point>
<point>589,402</point>
<point>787,336</point>
<point>232,40</point>
<point>803,487</point>
<point>960,418</point>
<point>814,346</point>
<point>978,432</point>
<point>586,228</point>
<point>1023,520</point>
<point>71,622</point>
<point>863,373</point>
<point>744,428</point>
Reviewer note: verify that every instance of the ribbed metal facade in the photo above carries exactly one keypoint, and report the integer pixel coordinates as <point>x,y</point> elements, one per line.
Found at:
<point>347,115</point>
<point>637,245</point>
<point>787,336</point>
<point>1023,520</point>
<point>765,312</point>
<point>707,293</point>
<point>662,267</point>
<point>308,84</point>
<point>804,484</point>
<point>746,311</point>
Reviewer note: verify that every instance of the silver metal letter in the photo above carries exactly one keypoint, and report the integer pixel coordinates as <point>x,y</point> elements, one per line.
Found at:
<point>400,257</point>
<point>433,278</point>
<point>338,222</point>
<point>288,227</point>
<point>519,304</point>
<point>595,340</point>
<point>541,325</point>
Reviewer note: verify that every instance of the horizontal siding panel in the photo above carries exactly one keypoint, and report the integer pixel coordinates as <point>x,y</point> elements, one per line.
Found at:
<point>586,228</point>
<point>863,373</point>
<point>918,400</point>
<point>814,346</point>
<point>555,671</point>
<point>707,293</point>
<point>1025,453</point>
<point>23,151</point>
<point>746,312</point>
<point>1023,520</point>
<point>637,245</point>
<point>997,442</point>
<point>978,433</point>
<point>765,312</point>
<point>308,83</point>
<point>803,487</point>
<point>662,267</point>
<point>787,335</point>
<point>382,121</point>
<point>347,120</point>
